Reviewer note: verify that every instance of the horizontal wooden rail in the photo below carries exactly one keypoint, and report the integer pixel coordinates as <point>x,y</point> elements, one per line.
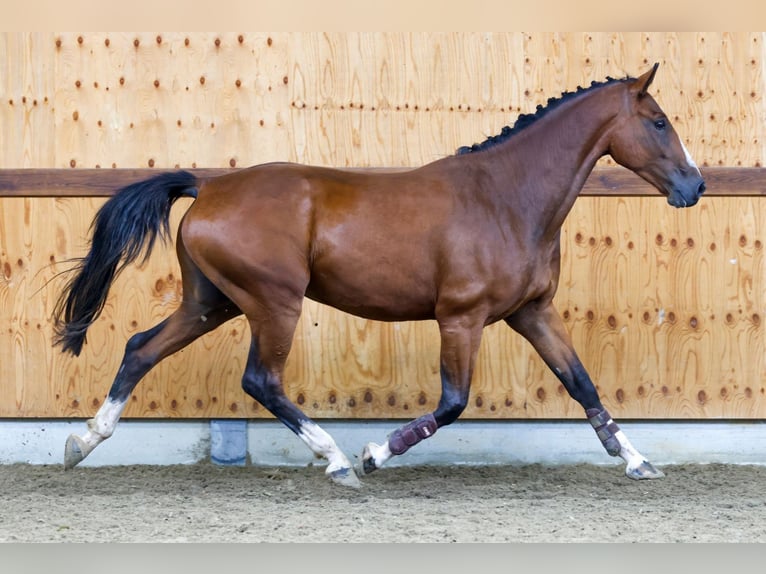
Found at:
<point>607,181</point>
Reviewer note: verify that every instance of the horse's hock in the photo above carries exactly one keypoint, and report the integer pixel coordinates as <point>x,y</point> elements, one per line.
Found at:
<point>664,307</point>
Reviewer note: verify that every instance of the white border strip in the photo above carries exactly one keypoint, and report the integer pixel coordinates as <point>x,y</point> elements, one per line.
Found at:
<point>269,443</point>
<point>133,442</point>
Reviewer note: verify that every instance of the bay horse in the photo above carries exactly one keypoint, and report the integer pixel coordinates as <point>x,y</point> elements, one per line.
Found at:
<point>467,240</point>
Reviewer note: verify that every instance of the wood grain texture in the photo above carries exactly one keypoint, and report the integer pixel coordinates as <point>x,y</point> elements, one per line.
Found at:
<point>666,307</point>
<point>166,99</point>
<point>27,135</point>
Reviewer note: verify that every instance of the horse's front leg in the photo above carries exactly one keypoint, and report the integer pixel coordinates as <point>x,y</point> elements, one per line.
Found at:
<point>459,344</point>
<point>542,326</point>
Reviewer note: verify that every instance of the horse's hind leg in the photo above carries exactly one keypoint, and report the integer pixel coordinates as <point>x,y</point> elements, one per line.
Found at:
<point>542,326</point>
<point>203,309</point>
<point>262,380</point>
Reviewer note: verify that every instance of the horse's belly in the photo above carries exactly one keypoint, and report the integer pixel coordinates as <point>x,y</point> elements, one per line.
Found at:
<point>373,298</point>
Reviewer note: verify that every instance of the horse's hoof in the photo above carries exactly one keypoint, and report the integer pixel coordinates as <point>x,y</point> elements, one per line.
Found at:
<point>368,461</point>
<point>644,471</point>
<point>74,451</point>
<point>345,477</point>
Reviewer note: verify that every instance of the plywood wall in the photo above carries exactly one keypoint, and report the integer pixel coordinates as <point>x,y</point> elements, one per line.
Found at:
<point>666,307</point>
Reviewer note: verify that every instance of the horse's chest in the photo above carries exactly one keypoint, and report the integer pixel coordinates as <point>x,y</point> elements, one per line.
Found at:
<point>520,281</point>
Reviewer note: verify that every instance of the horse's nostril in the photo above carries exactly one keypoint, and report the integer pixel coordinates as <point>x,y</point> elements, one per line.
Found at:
<point>701,188</point>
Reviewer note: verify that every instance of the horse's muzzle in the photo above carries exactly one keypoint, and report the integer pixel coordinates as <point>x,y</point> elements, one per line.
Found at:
<point>687,195</point>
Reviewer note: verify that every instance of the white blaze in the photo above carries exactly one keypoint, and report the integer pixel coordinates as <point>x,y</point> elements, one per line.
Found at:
<point>689,159</point>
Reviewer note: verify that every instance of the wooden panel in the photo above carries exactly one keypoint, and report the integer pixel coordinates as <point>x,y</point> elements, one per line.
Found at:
<point>209,100</point>
<point>665,306</point>
<point>390,100</point>
<point>663,329</point>
<point>130,100</point>
<point>26,100</point>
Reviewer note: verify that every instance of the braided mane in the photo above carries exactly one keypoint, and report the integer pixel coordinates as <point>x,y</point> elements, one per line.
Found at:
<point>526,120</point>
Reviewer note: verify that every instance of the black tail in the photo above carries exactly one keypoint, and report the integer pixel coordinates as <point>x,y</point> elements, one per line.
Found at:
<point>127,225</point>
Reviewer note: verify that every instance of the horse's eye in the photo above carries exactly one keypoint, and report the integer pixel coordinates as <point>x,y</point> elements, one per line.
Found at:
<point>660,124</point>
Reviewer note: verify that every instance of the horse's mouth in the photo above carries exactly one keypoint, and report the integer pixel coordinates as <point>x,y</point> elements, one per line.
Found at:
<point>679,201</point>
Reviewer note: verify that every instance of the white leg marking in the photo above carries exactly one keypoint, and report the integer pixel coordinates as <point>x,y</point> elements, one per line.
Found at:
<point>322,444</point>
<point>380,453</point>
<point>628,453</point>
<point>103,424</point>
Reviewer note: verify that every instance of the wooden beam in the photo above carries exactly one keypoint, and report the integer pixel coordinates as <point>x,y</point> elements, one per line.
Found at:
<point>720,181</point>
<point>608,181</point>
<point>77,182</point>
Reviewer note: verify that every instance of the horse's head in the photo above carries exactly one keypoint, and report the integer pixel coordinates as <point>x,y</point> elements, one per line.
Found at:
<point>645,142</point>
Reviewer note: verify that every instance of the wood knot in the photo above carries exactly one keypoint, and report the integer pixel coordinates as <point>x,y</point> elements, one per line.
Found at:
<point>671,317</point>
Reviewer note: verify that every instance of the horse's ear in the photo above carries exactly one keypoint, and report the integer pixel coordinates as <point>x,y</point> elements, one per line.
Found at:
<point>645,80</point>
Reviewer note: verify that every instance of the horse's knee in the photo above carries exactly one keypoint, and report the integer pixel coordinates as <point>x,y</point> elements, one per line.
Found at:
<point>449,415</point>
<point>450,407</point>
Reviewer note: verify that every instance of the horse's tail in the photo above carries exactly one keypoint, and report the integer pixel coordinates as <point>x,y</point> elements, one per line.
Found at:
<point>126,226</point>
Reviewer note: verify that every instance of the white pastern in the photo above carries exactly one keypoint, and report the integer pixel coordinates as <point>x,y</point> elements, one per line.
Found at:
<point>322,444</point>
<point>103,424</point>
<point>380,453</point>
<point>628,453</point>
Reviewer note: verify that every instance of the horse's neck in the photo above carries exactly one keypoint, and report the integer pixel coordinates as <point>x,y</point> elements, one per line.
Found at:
<point>558,154</point>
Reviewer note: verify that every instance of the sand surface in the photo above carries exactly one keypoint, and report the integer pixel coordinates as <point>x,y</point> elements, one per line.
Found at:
<point>208,503</point>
